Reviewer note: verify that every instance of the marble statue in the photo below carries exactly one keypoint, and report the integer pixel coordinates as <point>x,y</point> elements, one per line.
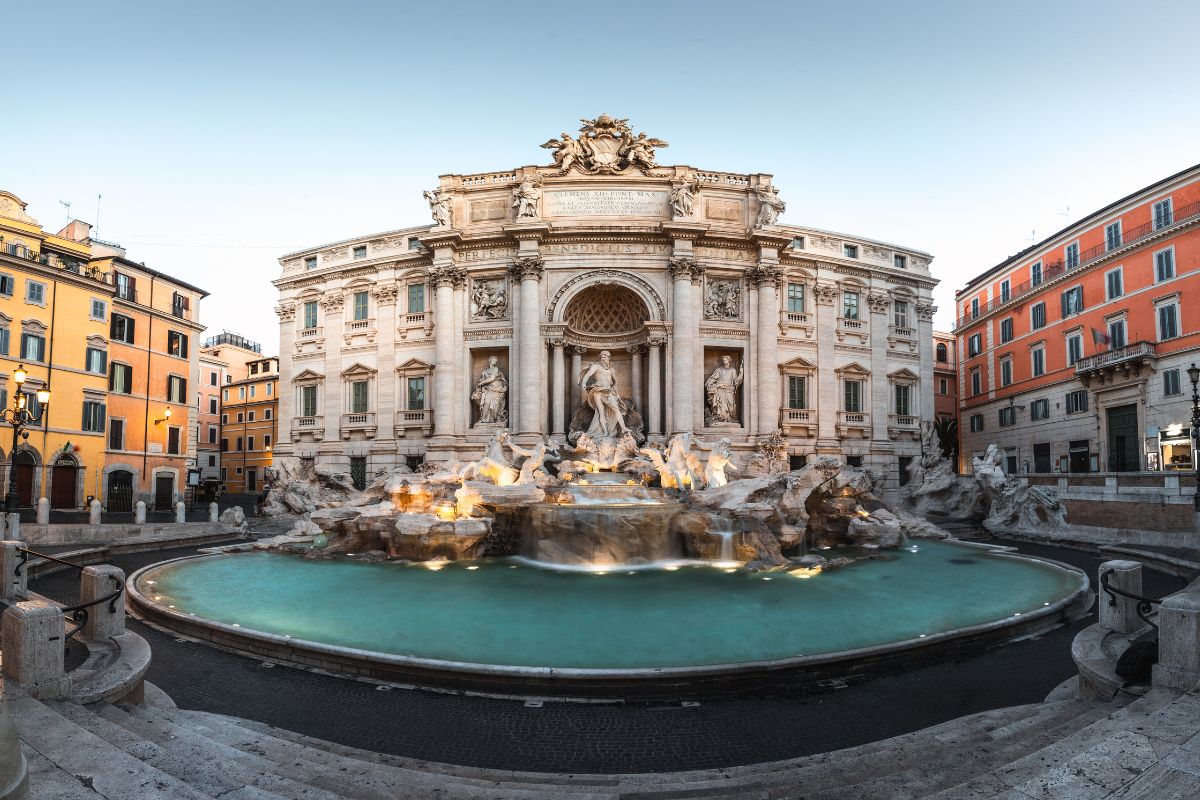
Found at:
<point>439,206</point>
<point>495,465</point>
<point>672,474</point>
<point>769,206</point>
<point>682,198</point>
<point>489,299</point>
<point>1013,504</point>
<point>526,197</point>
<point>598,383</point>
<point>605,146</point>
<point>490,391</point>
<point>533,468</point>
<point>567,152</point>
<point>723,300</point>
<point>639,151</point>
<point>720,459</point>
<point>721,388</point>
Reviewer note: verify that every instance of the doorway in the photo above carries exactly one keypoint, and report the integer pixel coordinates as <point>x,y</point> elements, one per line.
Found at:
<point>251,480</point>
<point>23,467</point>
<point>1123,452</point>
<point>120,491</point>
<point>164,491</point>
<point>62,482</point>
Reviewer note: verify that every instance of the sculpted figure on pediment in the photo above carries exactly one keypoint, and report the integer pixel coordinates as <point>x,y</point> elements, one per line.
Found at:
<point>682,199</point>
<point>439,207</point>
<point>769,206</point>
<point>526,197</point>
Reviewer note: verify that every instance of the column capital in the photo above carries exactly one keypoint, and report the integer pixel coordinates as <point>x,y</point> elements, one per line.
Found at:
<point>878,303</point>
<point>286,311</point>
<point>925,312</point>
<point>577,350</point>
<point>825,295</point>
<point>635,349</point>
<point>448,275</point>
<point>557,342</point>
<point>656,340</point>
<point>765,275</point>
<point>687,267</point>
<point>527,267</point>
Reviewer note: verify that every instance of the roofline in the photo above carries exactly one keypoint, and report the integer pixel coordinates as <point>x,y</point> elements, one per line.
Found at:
<point>155,273</point>
<point>857,237</point>
<point>306,250</point>
<point>1090,218</point>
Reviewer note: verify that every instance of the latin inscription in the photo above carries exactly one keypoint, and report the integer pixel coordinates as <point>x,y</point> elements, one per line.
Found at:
<point>607,203</point>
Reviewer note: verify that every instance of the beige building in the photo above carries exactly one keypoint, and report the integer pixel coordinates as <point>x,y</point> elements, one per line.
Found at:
<point>419,343</point>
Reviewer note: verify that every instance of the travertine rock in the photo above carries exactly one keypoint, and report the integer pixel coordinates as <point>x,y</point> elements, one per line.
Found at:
<point>424,537</point>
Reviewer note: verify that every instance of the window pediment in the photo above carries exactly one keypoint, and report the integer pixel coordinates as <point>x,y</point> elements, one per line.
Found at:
<point>798,364</point>
<point>904,376</point>
<point>358,371</point>
<point>99,342</point>
<point>414,365</point>
<point>33,325</point>
<point>853,369</point>
<point>308,376</point>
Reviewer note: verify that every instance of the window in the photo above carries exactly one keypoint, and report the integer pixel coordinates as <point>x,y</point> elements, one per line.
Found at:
<point>212,461</point>
<point>116,434</point>
<point>180,304</point>
<point>237,447</point>
<point>1072,301</point>
<point>942,353</point>
<point>99,310</point>
<point>1114,281</point>
<point>850,305</point>
<point>93,416</point>
<point>270,389</point>
<point>943,386</point>
<point>120,378</point>
<point>240,416</point>
<point>1006,330</point>
<point>7,283</point>
<point>903,398</point>
<point>1074,348</point>
<point>177,344</point>
<point>252,388</point>
<point>850,250</point>
<point>976,423</point>
<point>308,401</point>
<point>795,298</point>
<point>1168,321</point>
<point>120,329</point>
<point>95,360</point>
<point>358,397</point>
<point>241,393</point>
<point>1164,265</point>
<point>1008,416</point>
<point>900,313</point>
<point>33,347</point>
<point>416,394</point>
<point>1005,291</point>
<point>176,389</point>
<point>35,292</point>
<point>224,445</point>
<point>267,413</point>
<point>1037,316</point>
<point>852,396</point>
<point>976,381</point>
<point>797,391</point>
<point>1039,361</point>
<point>798,243</point>
<point>1006,372</point>
<point>360,251</point>
<point>1163,215</point>
<point>212,434</point>
<point>414,244</point>
<point>310,262</point>
<point>126,286</point>
<point>416,298</point>
<point>1035,273</point>
<point>173,440</point>
<point>974,345</point>
<point>249,442</point>
<point>1077,401</point>
<point>899,261</point>
<point>358,472</point>
<point>974,307</point>
<point>250,416</point>
<point>212,379</point>
<point>1171,384</point>
<point>1116,334</point>
<point>1071,255</point>
<point>31,402</point>
<point>1039,409</point>
<point>360,306</point>
<point>1112,235</point>
<point>3,341</point>
<point>267,441</point>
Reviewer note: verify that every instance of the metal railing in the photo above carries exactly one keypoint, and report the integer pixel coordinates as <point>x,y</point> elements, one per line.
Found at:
<point>1144,607</point>
<point>54,260</point>
<point>1053,270</point>
<point>79,612</point>
<point>1118,356</point>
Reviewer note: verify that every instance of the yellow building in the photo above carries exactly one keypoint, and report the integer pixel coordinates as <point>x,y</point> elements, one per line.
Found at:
<point>54,320</point>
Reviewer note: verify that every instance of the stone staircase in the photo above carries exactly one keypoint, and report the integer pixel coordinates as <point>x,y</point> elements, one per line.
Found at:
<point>1147,747</point>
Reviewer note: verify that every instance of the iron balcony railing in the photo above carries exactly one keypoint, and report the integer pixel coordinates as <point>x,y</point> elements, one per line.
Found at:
<point>1113,357</point>
<point>54,260</point>
<point>1053,270</point>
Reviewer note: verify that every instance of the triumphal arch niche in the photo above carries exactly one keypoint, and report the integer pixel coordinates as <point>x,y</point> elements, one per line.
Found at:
<point>713,316</point>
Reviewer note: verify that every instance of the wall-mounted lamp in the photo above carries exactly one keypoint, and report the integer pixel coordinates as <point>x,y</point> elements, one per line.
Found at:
<point>166,416</point>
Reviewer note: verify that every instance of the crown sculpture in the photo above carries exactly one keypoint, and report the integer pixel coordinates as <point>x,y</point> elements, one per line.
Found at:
<point>605,146</point>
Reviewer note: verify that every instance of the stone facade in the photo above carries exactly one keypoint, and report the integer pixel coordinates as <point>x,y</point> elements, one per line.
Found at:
<point>384,338</point>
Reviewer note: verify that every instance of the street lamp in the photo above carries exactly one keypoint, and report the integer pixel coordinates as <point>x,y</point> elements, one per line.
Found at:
<point>20,417</point>
<point>1194,375</point>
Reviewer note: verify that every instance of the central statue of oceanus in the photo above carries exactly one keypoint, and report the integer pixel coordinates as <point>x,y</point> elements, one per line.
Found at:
<point>598,386</point>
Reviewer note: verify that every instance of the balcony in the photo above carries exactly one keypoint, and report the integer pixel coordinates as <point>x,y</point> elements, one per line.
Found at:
<point>855,328</point>
<point>853,424</point>
<point>309,334</point>
<point>796,319</point>
<point>904,425</point>
<point>901,335</point>
<point>312,426</point>
<point>1121,362</point>
<point>364,423</point>
<point>417,422</point>
<point>798,421</point>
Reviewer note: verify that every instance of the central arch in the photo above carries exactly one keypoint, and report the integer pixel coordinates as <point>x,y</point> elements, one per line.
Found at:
<point>606,309</point>
<point>587,280</point>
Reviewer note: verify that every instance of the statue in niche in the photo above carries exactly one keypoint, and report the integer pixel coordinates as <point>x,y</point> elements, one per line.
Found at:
<point>724,300</point>
<point>489,394</point>
<point>682,198</point>
<point>526,197</point>
<point>769,206</point>
<point>489,300</point>
<point>721,388</point>
<point>439,207</point>
<point>598,383</point>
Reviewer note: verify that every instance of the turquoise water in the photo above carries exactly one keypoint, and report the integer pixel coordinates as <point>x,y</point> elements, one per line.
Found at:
<point>510,613</point>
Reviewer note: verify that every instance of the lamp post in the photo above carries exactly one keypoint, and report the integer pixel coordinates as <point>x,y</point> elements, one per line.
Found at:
<point>19,417</point>
<point>1194,375</point>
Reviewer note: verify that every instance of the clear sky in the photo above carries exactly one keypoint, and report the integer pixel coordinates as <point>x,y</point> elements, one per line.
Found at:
<point>224,134</point>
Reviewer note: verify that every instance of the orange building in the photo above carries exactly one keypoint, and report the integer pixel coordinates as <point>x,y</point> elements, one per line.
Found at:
<point>1073,354</point>
<point>945,376</point>
<point>249,425</point>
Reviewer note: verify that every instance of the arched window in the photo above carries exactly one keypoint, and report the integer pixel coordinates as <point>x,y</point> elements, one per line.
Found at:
<point>941,353</point>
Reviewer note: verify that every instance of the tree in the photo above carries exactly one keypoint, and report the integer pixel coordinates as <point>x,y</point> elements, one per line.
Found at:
<point>947,433</point>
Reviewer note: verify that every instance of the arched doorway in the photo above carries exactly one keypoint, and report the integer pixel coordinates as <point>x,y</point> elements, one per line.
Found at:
<point>24,466</point>
<point>63,481</point>
<point>120,491</point>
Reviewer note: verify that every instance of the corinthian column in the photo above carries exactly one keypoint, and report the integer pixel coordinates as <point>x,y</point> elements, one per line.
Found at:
<point>444,278</point>
<point>683,323</point>
<point>654,387</point>
<point>528,270</point>
<point>561,393</point>
<point>573,399</point>
<point>635,378</point>
<point>766,278</point>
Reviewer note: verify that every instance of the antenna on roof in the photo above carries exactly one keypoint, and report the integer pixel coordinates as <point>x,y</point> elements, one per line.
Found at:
<point>1066,213</point>
<point>1032,236</point>
<point>96,227</point>
<point>66,205</point>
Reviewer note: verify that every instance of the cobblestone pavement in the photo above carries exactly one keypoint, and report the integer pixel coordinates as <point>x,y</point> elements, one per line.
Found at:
<point>576,737</point>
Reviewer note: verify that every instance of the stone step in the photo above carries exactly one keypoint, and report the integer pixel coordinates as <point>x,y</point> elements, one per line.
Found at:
<point>102,767</point>
<point>47,781</point>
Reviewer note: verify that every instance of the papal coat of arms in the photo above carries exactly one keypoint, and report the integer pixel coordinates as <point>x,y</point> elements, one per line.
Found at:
<point>605,146</point>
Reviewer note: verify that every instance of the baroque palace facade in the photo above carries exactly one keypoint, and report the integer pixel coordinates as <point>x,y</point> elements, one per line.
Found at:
<point>418,344</point>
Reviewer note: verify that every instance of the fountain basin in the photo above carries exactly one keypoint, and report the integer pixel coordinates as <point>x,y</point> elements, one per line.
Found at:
<point>509,627</point>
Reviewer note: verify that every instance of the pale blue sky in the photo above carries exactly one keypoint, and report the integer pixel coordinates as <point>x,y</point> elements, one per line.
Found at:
<point>223,134</point>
